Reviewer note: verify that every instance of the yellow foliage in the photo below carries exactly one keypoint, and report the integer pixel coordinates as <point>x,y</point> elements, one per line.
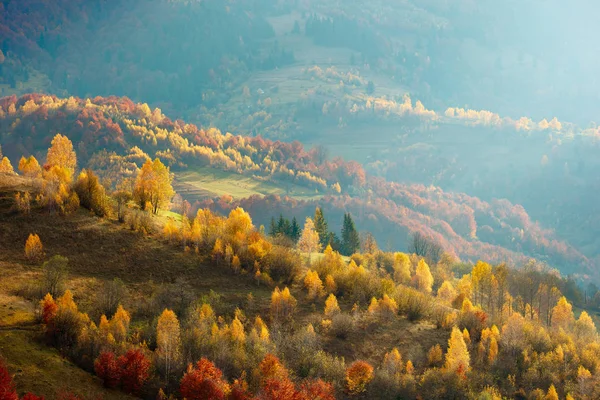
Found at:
<point>61,154</point>
<point>423,277</point>
<point>168,340</point>
<point>552,394</point>
<point>401,268</point>
<point>34,251</point>
<point>5,166</point>
<point>309,240</point>
<point>392,362</point>
<point>313,284</point>
<point>446,292</point>
<point>331,306</point>
<point>30,167</point>
<point>434,357</point>
<point>457,358</point>
<point>562,314</point>
<point>283,303</point>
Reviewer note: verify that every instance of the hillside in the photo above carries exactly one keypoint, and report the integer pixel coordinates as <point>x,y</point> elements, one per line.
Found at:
<point>115,136</point>
<point>417,92</point>
<point>139,300</point>
<point>155,274</point>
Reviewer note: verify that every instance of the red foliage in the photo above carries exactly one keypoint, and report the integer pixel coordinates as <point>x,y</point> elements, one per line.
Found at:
<point>203,382</point>
<point>278,389</point>
<point>135,370</point>
<point>239,391</point>
<point>107,369</point>
<point>7,387</point>
<point>316,390</point>
<point>49,312</point>
<point>31,396</point>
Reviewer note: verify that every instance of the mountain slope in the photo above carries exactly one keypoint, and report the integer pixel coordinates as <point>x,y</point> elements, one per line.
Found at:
<point>464,225</point>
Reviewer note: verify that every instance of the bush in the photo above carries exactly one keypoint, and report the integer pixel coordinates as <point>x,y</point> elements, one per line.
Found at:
<point>92,194</point>
<point>414,304</point>
<point>140,221</point>
<point>342,325</point>
<point>283,265</point>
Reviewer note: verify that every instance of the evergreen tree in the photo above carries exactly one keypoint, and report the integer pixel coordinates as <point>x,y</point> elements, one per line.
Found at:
<point>350,238</point>
<point>273,228</point>
<point>281,225</point>
<point>321,227</point>
<point>295,230</point>
<point>334,241</point>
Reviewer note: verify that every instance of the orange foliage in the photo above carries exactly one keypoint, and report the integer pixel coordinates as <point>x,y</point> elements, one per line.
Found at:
<point>358,376</point>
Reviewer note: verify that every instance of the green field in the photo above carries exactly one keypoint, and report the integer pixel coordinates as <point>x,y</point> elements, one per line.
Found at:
<point>210,183</point>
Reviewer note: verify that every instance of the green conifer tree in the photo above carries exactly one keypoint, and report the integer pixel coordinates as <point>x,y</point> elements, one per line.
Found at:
<point>350,238</point>
<point>321,227</point>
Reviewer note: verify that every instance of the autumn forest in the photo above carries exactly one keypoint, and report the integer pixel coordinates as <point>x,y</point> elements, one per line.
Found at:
<point>274,200</point>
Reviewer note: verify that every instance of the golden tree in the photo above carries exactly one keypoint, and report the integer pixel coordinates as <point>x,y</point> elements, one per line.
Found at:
<point>493,351</point>
<point>392,362</point>
<point>34,251</point>
<point>119,324</point>
<point>61,154</point>
<point>331,306</point>
<point>30,167</point>
<point>168,341</point>
<point>309,240</point>
<point>313,284</point>
<point>434,357</point>
<point>446,292</point>
<point>283,304</point>
<point>562,314</point>
<point>23,202</point>
<point>5,166</point>
<point>457,358</point>
<point>401,268</point>
<point>423,278</point>
<point>236,265</point>
<point>585,329</point>
<point>552,394</point>
<point>153,185</point>
<point>358,376</point>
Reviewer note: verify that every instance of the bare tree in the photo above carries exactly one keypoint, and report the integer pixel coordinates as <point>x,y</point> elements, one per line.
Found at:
<point>425,246</point>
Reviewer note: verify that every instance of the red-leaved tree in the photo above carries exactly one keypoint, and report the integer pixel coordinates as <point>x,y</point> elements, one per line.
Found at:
<point>204,381</point>
<point>7,387</point>
<point>316,390</point>
<point>277,389</point>
<point>107,369</point>
<point>135,370</point>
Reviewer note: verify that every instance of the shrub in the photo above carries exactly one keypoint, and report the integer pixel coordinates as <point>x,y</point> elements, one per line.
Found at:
<point>342,325</point>
<point>283,265</point>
